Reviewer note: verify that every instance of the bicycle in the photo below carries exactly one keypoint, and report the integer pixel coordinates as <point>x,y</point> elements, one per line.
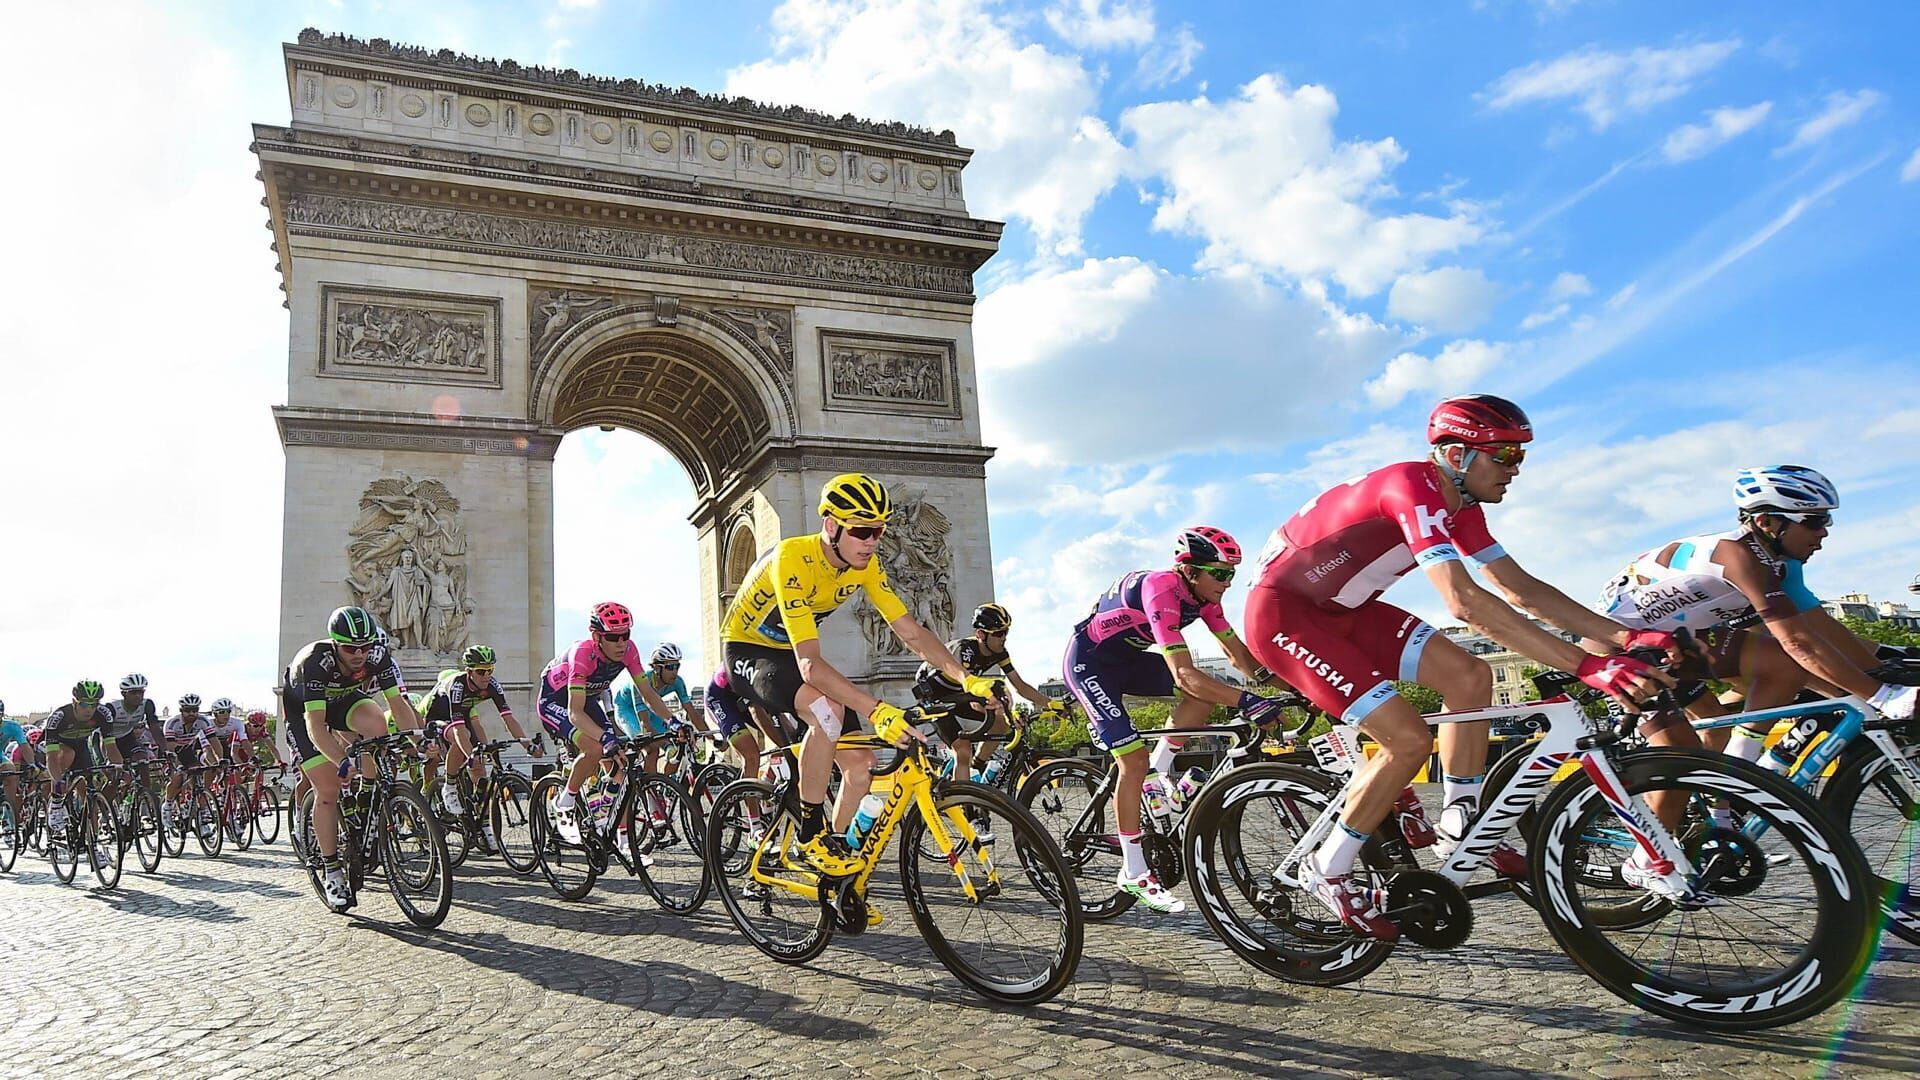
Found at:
<point>654,817</point>
<point>790,911</point>
<point>385,822</point>
<point>12,839</point>
<point>1074,797</point>
<point>91,828</point>
<point>702,781</point>
<point>503,800</point>
<point>136,814</point>
<point>1251,894</point>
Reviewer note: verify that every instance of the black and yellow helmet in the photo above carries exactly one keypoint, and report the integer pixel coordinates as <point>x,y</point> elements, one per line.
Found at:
<point>855,499</point>
<point>88,691</point>
<point>992,618</point>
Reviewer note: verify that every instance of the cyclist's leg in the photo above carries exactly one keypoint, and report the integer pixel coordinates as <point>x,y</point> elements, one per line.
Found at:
<point>1768,678</point>
<point>1465,682</point>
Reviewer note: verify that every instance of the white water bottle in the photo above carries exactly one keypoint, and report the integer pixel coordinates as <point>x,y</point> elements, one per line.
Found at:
<point>863,819</point>
<point>993,770</point>
<point>1154,795</point>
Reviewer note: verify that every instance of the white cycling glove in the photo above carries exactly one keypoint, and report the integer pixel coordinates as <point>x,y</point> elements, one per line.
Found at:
<point>1896,702</point>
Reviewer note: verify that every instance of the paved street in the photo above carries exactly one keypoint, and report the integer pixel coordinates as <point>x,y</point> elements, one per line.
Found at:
<point>230,966</point>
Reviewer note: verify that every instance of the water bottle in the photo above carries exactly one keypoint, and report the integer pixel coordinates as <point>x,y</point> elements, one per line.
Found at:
<point>1188,783</point>
<point>600,805</point>
<point>992,772</point>
<point>864,818</point>
<point>1153,794</point>
<point>1413,819</point>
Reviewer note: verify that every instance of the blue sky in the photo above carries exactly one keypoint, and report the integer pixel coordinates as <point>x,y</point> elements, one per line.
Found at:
<point>1248,246</point>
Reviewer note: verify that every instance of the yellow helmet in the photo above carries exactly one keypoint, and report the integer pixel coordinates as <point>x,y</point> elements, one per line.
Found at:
<point>855,499</point>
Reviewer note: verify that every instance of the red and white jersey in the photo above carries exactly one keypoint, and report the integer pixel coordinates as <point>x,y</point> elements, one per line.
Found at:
<point>1347,545</point>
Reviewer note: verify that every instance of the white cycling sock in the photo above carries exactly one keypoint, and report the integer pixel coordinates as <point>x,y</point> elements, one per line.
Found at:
<point>1747,745</point>
<point>565,799</point>
<point>1455,788</point>
<point>1133,861</point>
<point>1336,855</point>
<point>1161,760</point>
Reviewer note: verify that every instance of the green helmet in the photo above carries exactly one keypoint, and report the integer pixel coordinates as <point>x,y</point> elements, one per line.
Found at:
<point>87,690</point>
<point>352,626</point>
<point>477,656</point>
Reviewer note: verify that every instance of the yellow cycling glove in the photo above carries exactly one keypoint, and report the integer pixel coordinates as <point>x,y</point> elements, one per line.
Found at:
<point>984,686</point>
<point>890,723</point>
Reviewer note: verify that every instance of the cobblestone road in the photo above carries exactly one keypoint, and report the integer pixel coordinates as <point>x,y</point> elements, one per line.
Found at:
<point>229,967</point>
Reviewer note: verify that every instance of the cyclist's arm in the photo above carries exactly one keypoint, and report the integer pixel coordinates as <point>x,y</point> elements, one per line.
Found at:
<point>1024,688</point>
<point>927,646</point>
<point>1488,614</point>
<point>401,706</point>
<point>1857,649</point>
<point>1548,604</point>
<point>1195,683</point>
<point>1160,597</point>
<point>1794,616</point>
<point>1243,658</point>
<point>641,684</point>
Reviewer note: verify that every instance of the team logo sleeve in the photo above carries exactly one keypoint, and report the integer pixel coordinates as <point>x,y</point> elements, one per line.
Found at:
<point>1417,505</point>
<point>1161,600</point>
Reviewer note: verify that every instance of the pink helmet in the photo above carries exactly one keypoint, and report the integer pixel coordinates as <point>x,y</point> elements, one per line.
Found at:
<point>1206,544</point>
<point>1478,420</point>
<point>610,618</point>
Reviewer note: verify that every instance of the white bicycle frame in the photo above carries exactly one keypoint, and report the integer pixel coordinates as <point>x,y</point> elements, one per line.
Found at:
<point>1565,726</point>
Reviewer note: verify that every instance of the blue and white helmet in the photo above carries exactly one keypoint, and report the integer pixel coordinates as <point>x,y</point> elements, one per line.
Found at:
<point>666,653</point>
<point>1794,489</point>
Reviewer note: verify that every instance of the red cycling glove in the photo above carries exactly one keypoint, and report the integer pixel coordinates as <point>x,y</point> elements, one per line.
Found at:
<point>1610,674</point>
<point>1653,639</point>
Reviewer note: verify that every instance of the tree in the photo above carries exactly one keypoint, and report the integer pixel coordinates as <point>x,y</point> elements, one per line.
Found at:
<point>1426,701</point>
<point>1881,631</point>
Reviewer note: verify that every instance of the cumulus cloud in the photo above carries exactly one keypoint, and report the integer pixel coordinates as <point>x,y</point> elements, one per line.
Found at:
<point>1263,180</point>
<point>1102,24</point>
<point>1451,300</point>
<point>1606,85</point>
<point>1042,155</point>
<point>1690,141</point>
<point>1843,109</point>
<point>1453,370</point>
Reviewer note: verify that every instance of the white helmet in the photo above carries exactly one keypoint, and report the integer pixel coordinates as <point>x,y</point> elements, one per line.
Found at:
<point>133,682</point>
<point>1792,489</point>
<point>189,701</point>
<point>222,704</point>
<point>666,653</point>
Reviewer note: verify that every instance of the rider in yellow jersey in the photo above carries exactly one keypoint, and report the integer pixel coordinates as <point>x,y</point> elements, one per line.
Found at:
<point>771,641</point>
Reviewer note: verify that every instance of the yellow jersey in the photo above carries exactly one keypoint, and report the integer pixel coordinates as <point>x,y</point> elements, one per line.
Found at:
<point>792,587</point>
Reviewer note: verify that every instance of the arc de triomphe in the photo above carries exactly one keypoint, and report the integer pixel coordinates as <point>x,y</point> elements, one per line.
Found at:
<point>480,257</point>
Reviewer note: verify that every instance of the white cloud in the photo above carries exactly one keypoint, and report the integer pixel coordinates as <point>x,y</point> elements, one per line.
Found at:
<point>1608,85</point>
<point>1566,287</point>
<point>1052,312</point>
<point>1545,316</point>
<point>1691,141</point>
<point>1454,370</point>
<point>1262,180</point>
<point>1102,24</point>
<point>1168,60</point>
<point>1911,170</point>
<point>1619,299</point>
<point>1843,109</point>
<point>1450,300</point>
<point>1042,156</point>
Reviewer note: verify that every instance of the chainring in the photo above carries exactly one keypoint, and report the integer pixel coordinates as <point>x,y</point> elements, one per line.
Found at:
<point>1430,910</point>
<point>1163,858</point>
<point>1730,863</point>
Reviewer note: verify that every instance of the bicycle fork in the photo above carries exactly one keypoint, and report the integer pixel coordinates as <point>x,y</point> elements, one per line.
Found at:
<point>949,845</point>
<point>1666,860</point>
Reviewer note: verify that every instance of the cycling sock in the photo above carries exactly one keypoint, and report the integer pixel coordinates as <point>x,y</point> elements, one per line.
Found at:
<point>1133,861</point>
<point>1455,788</point>
<point>1336,855</point>
<point>331,862</point>
<point>1747,745</point>
<point>1161,760</point>
<point>813,820</point>
<point>565,800</point>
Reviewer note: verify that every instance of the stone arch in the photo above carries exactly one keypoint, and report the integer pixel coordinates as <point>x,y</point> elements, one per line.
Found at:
<point>741,548</point>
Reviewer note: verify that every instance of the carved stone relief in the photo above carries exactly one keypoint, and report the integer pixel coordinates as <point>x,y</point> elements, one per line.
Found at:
<point>407,564</point>
<point>556,309</point>
<point>469,227</point>
<point>882,373</point>
<point>409,336</point>
<point>919,563</point>
<point>768,331</point>
<point>770,328</point>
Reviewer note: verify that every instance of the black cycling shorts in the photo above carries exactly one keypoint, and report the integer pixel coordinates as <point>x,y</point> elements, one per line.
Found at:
<point>338,709</point>
<point>770,678</point>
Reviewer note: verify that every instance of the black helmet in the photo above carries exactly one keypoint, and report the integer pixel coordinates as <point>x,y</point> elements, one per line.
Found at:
<point>992,618</point>
<point>352,626</point>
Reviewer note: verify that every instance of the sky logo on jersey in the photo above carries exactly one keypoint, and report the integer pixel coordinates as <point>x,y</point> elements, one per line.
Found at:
<point>1338,683</point>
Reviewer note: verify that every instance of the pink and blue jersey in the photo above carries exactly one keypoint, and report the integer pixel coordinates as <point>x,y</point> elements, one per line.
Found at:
<point>586,667</point>
<point>1148,608</point>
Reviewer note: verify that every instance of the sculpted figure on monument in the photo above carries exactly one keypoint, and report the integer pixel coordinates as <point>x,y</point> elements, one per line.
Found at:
<point>407,563</point>
<point>919,562</point>
<point>561,310</point>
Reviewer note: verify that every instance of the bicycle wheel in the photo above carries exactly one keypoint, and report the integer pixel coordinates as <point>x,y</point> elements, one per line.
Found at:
<point>777,904</point>
<point>568,867</point>
<point>238,816</point>
<point>100,839</point>
<point>63,845</point>
<point>665,826</point>
<point>1867,799</point>
<point>173,841</point>
<point>144,814</point>
<point>1004,915</point>
<point>1064,796</point>
<point>10,839</point>
<point>709,782</point>
<point>510,810</point>
<point>455,830</point>
<point>266,814</point>
<point>1779,926</point>
<point>301,813</point>
<point>413,853</point>
<point>1239,829</point>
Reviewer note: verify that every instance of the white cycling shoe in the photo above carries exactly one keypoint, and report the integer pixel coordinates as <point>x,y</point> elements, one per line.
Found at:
<point>1151,894</point>
<point>566,822</point>
<point>334,885</point>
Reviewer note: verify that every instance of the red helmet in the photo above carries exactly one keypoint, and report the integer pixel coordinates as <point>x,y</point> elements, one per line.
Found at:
<point>610,618</point>
<point>256,721</point>
<point>1206,544</point>
<point>35,736</point>
<point>1478,420</point>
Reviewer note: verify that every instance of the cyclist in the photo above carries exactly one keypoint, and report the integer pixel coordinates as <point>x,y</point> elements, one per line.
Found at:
<point>979,653</point>
<point>67,730</point>
<point>632,714</point>
<point>1315,617</point>
<point>15,752</point>
<point>736,719</point>
<point>572,690</point>
<point>771,644</point>
<point>133,732</point>
<point>264,751</point>
<point>328,697</point>
<point>1108,657</point>
<point>451,704</point>
<point>227,738</point>
<point>185,737</point>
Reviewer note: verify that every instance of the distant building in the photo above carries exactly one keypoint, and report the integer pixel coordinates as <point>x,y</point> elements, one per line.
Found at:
<point>1853,605</point>
<point>1509,684</point>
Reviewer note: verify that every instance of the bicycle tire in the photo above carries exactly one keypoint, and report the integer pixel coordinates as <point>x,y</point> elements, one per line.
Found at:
<point>1862,784</point>
<point>1048,965</point>
<point>569,868</point>
<point>709,782</point>
<point>802,927</point>
<point>203,814</point>
<point>266,809</point>
<point>1281,931</point>
<point>510,811</point>
<point>10,839</point>
<point>410,832</point>
<point>63,851</point>
<point>301,811</point>
<point>678,880</point>
<point>1091,849</point>
<point>238,818</point>
<point>101,835</point>
<point>148,841</point>
<point>173,841</point>
<point>1842,905</point>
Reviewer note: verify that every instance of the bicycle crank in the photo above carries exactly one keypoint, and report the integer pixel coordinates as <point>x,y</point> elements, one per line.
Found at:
<point>1730,863</point>
<point>1430,910</point>
<point>849,907</point>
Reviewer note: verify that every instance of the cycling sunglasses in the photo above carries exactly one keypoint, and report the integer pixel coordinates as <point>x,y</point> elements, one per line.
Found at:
<point>1508,455</point>
<point>667,667</point>
<point>1219,573</point>
<point>605,636</point>
<point>1819,519</point>
<point>354,649</point>
<point>865,532</point>
<point>482,672</point>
